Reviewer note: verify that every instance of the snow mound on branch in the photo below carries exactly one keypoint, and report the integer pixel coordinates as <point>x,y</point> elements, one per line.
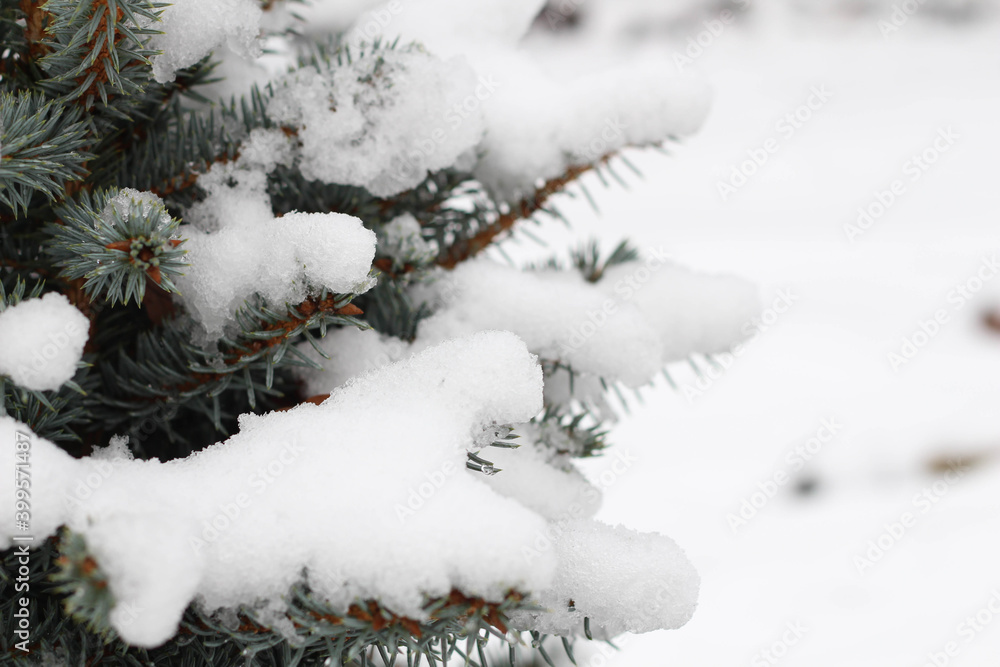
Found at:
<point>265,149</point>
<point>540,478</point>
<point>42,341</point>
<point>349,352</point>
<point>239,522</point>
<point>639,317</point>
<point>282,260</point>
<point>538,125</point>
<point>626,327</point>
<point>579,122</point>
<point>237,247</point>
<point>606,572</point>
<point>194,28</point>
<point>382,121</point>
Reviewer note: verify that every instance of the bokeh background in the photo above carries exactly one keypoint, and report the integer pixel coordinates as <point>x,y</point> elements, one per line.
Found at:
<point>841,504</point>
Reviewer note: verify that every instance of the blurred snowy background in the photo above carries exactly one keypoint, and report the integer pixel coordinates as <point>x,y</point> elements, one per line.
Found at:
<point>838,482</point>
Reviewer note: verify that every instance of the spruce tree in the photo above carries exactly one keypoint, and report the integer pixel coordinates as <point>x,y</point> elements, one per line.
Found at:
<point>270,394</point>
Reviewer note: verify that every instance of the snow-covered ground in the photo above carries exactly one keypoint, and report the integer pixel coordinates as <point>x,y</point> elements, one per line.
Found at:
<point>799,578</point>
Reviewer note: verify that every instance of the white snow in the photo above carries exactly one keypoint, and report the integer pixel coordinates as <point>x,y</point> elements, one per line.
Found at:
<point>41,342</point>
<point>538,125</point>
<point>700,458</point>
<point>234,195</point>
<point>624,328</point>
<point>237,248</point>
<point>238,523</point>
<point>540,478</point>
<point>605,572</point>
<point>194,28</point>
<point>690,311</point>
<point>283,260</point>
<point>382,121</point>
<point>265,149</point>
<point>349,352</point>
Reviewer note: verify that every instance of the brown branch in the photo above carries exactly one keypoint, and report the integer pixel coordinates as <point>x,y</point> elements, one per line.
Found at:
<point>315,400</point>
<point>307,308</point>
<point>34,27</point>
<point>466,248</point>
<point>379,618</point>
<point>189,178</point>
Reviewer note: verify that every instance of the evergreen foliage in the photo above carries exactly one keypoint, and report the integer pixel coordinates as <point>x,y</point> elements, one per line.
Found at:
<point>81,120</point>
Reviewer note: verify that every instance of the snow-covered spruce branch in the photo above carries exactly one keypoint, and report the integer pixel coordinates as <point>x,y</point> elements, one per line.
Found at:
<point>157,559</point>
<point>222,262</point>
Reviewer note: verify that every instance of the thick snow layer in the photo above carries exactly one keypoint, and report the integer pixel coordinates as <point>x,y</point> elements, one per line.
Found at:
<point>41,341</point>
<point>540,478</point>
<point>349,352</point>
<point>282,260</point>
<point>239,522</point>
<point>578,121</point>
<point>605,572</point>
<point>690,311</point>
<point>626,327</point>
<point>382,121</point>
<point>537,125</point>
<point>234,196</point>
<point>265,149</point>
<point>237,248</point>
<point>194,28</point>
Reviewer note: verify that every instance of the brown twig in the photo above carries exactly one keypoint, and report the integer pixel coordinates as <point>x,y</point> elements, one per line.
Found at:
<point>307,308</point>
<point>34,27</point>
<point>467,248</point>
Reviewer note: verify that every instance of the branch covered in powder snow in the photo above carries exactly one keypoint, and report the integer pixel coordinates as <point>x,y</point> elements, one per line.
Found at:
<point>300,482</point>
<point>624,328</point>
